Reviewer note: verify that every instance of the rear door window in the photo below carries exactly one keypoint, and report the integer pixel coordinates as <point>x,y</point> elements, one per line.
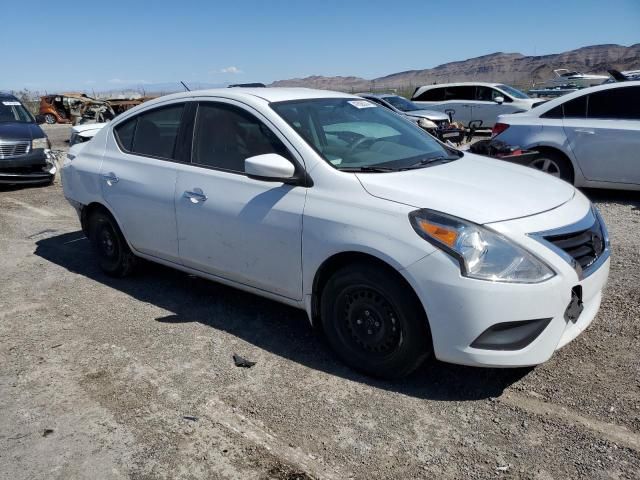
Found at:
<point>618,103</point>
<point>153,133</point>
<point>460,93</point>
<point>431,95</point>
<point>555,112</point>
<point>576,108</point>
<point>157,131</point>
<point>124,133</point>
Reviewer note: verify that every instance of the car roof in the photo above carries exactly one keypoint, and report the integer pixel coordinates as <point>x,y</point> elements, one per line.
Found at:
<point>269,94</point>
<point>546,106</point>
<point>7,96</point>
<point>462,84</point>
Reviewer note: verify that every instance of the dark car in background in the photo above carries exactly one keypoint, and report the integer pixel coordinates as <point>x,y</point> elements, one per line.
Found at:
<point>24,148</point>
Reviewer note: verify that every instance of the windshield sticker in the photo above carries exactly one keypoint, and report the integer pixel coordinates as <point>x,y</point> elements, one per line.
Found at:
<point>362,104</point>
<point>9,104</point>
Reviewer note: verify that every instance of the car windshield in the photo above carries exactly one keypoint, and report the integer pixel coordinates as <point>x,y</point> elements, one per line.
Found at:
<point>514,92</point>
<point>13,111</point>
<point>402,103</point>
<point>357,135</point>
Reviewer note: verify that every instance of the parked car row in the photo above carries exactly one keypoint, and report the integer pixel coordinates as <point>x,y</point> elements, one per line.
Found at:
<point>396,245</point>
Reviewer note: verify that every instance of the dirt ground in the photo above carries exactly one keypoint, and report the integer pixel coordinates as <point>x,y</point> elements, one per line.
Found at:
<point>134,378</point>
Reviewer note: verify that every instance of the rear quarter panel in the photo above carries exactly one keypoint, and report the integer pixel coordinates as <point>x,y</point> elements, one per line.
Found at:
<point>531,133</point>
<point>81,176</point>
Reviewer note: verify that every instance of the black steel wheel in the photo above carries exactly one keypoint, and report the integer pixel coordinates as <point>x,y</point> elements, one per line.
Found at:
<point>369,320</point>
<point>375,324</point>
<point>114,255</point>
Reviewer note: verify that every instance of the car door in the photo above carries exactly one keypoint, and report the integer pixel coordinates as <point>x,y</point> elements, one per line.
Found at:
<point>232,226</point>
<point>603,132</point>
<point>485,107</point>
<point>138,178</point>
<point>458,101</point>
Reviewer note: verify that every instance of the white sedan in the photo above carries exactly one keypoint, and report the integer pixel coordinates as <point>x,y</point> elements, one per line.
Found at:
<point>395,244</point>
<point>590,138</point>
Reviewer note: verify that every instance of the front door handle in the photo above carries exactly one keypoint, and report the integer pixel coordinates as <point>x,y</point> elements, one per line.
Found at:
<point>585,130</point>
<point>110,178</point>
<point>196,195</point>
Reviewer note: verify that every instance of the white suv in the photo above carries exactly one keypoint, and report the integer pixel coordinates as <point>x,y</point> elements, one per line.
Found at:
<point>395,244</point>
<point>590,138</point>
<point>474,101</point>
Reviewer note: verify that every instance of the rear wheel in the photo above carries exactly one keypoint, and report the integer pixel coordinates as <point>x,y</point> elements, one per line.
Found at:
<point>374,323</point>
<point>50,118</point>
<point>114,255</point>
<point>554,164</point>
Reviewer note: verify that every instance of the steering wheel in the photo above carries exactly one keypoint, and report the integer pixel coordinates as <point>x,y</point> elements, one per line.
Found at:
<point>362,141</point>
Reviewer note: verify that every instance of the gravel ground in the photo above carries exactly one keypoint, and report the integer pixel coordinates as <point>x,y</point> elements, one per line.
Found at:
<point>133,378</point>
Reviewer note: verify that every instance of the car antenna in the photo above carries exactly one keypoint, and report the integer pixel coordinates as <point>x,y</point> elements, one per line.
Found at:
<point>185,86</point>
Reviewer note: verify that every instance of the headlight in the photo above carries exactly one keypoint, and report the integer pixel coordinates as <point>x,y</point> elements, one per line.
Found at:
<point>482,253</point>
<point>426,123</point>
<point>40,143</point>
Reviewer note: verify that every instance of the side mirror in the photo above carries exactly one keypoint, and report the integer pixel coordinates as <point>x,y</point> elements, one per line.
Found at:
<point>269,167</point>
<point>40,119</point>
<point>499,100</point>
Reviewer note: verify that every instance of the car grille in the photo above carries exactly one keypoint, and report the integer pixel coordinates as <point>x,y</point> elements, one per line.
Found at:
<point>442,123</point>
<point>14,148</point>
<point>584,246</point>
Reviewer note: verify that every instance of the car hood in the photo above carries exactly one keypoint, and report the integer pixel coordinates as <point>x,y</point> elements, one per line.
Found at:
<point>430,114</point>
<point>479,189</point>
<point>20,131</point>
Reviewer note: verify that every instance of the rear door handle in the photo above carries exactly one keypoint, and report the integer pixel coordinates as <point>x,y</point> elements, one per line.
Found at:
<point>196,195</point>
<point>110,178</point>
<point>585,130</point>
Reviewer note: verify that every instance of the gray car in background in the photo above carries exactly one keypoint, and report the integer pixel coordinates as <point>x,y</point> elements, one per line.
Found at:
<point>436,123</point>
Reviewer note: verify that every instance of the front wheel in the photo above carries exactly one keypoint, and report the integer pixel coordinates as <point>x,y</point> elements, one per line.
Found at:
<point>114,255</point>
<point>374,323</point>
<point>50,118</point>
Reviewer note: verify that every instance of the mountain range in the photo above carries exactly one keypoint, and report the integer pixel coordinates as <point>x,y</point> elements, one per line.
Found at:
<point>514,68</point>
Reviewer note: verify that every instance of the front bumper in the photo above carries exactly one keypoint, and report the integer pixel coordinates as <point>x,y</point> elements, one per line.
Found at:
<point>33,168</point>
<point>460,309</point>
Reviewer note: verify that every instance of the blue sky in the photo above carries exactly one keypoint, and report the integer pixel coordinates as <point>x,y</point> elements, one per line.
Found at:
<point>103,45</point>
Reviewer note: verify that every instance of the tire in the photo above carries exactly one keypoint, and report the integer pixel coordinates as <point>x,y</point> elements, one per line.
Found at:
<point>373,322</point>
<point>114,255</point>
<point>50,118</point>
<point>554,164</point>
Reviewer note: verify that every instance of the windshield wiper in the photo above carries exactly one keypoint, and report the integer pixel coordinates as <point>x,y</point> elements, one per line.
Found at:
<point>428,161</point>
<point>368,169</point>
